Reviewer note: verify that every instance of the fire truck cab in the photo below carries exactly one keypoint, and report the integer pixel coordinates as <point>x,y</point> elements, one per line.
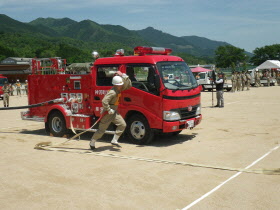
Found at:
<point>156,103</point>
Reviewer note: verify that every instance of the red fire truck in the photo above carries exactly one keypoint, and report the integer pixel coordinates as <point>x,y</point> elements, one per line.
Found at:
<point>157,103</point>
<point>2,81</point>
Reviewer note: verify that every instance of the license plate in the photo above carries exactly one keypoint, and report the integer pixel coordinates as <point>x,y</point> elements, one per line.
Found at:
<point>190,124</point>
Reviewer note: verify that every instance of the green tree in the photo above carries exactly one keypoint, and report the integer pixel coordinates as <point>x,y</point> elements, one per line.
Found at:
<point>73,54</point>
<point>226,55</point>
<point>270,52</point>
<point>6,52</point>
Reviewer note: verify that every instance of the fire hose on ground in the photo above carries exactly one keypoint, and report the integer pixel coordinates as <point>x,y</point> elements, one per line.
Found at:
<point>48,146</point>
<point>43,145</point>
<point>54,101</point>
<point>58,100</point>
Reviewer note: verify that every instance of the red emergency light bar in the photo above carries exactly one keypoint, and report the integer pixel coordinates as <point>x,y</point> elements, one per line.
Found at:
<point>140,50</point>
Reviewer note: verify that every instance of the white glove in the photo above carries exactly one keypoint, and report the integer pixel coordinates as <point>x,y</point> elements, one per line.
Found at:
<point>111,111</point>
<point>124,76</point>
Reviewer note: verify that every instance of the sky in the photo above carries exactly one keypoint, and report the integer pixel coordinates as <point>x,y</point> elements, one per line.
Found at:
<point>247,24</point>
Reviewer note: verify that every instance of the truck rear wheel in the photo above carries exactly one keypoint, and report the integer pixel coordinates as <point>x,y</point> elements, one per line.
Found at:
<point>138,130</point>
<point>57,125</point>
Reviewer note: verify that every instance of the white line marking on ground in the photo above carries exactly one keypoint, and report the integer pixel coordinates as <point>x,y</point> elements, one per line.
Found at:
<point>233,102</point>
<point>232,177</point>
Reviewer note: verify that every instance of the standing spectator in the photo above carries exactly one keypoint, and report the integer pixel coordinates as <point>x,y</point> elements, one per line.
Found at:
<point>248,80</point>
<point>220,91</point>
<point>243,80</point>
<point>273,74</point>
<point>26,87</point>
<point>18,86</point>
<point>268,77</point>
<point>6,90</point>
<point>233,81</point>
<point>257,78</point>
<point>11,89</point>
<point>278,77</point>
<point>238,83</point>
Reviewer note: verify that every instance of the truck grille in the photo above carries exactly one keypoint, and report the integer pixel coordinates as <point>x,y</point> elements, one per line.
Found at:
<point>185,114</point>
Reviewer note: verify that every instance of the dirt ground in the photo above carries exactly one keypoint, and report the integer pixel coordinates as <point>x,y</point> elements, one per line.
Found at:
<point>235,136</point>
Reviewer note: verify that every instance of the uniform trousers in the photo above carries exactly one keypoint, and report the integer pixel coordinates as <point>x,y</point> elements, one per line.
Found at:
<point>220,97</point>
<point>6,99</point>
<point>233,89</point>
<point>18,91</point>
<point>106,121</point>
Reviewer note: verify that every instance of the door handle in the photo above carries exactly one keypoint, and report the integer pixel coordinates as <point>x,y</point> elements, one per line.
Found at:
<point>127,99</point>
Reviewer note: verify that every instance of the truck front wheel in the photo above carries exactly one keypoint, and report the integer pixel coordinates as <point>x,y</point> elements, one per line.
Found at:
<point>57,125</point>
<point>138,130</point>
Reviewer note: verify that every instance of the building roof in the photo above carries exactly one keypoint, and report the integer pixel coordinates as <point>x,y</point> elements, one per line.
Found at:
<point>16,60</point>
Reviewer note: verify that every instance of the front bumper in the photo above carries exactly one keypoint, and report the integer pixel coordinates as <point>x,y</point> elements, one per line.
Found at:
<point>169,127</point>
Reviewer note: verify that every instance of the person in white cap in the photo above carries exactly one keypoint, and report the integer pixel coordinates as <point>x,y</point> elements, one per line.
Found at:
<point>18,85</point>
<point>110,104</point>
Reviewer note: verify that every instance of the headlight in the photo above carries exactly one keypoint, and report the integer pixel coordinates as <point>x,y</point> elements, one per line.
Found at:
<point>198,110</point>
<point>171,116</point>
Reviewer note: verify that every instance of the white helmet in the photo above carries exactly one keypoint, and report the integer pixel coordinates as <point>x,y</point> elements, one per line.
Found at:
<point>117,80</point>
<point>95,54</point>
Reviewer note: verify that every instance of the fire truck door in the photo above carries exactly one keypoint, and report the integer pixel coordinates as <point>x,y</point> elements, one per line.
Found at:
<point>143,96</point>
<point>103,84</point>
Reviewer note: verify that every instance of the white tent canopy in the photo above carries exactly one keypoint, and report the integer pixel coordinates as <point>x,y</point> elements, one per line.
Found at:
<point>270,64</point>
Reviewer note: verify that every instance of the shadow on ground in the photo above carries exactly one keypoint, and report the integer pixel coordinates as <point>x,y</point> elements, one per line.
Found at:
<point>161,140</point>
<point>40,132</point>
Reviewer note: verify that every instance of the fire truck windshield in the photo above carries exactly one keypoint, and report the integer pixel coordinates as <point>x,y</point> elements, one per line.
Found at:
<point>176,75</point>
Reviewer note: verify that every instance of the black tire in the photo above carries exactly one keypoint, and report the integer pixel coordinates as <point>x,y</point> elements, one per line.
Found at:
<point>176,133</point>
<point>138,130</point>
<point>47,128</point>
<point>57,124</point>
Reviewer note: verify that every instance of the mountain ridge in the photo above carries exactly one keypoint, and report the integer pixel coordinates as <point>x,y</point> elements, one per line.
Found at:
<point>90,31</point>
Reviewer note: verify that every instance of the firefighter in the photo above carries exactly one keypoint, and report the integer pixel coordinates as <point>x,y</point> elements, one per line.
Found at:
<point>238,81</point>
<point>233,81</point>
<point>248,80</point>
<point>257,79</point>
<point>278,77</point>
<point>18,86</point>
<point>6,89</point>
<point>243,80</point>
<point>268,77</point>
<point>110,104</point>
